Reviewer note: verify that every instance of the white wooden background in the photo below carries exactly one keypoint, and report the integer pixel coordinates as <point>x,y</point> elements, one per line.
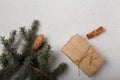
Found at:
<point>60,19</point>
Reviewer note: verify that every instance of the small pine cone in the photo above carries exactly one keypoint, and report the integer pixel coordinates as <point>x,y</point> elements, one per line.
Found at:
<point>38,42</point>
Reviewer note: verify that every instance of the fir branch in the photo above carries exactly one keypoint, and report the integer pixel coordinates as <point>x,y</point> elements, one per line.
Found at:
<point>32,31</point>
<point>23,33</point>
<point>44,57</point>
<point>43,74</point>
<point>18,58</point>
<point>12,37</point>
<point>10,59</point>
<point>29,37</point>
<point>24,71</point>
<point>4,70</point>
<point>22,74</point>
<point>9,49</point>
<point>7,72</point>
<point>35,26</point>
<point>59,70</point>
<point>8,42</point>
<point>26,50</point>
<point>35,64</point>
<point>3,61</point>
<point>33,75</point>
<point>4,41</point>
<point>45,50</point>
<point>34,60</point>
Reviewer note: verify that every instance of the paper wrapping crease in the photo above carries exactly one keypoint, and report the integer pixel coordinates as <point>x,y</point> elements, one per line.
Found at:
<point>83,55</point>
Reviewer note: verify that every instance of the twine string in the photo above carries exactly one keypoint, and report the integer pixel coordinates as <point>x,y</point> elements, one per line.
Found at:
<point>82,57</point>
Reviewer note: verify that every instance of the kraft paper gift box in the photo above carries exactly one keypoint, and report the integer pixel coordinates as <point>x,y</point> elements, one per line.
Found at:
<point>83,55</point>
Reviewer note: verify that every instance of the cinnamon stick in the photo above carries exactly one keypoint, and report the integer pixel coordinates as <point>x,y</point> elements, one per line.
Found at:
<point>95,32</point>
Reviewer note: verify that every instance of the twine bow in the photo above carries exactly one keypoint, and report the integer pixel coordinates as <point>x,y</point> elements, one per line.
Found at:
<point>84,55</point>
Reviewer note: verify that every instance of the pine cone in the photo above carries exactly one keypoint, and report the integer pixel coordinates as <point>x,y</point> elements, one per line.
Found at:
<point>38,42</point>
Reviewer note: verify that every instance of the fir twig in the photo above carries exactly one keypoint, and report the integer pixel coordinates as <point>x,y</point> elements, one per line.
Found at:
<point>12,37</point>
<point>7,72</point>
<point>23,33</point>
<point>22,74</point>
<point>29,37</point>
<point>39,71</point>
<point>30,64</point>
<point>24,71</point>
<point>59,70</point>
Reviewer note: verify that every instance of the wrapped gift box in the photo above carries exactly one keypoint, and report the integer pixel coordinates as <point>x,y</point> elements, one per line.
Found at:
<point>83,55</point>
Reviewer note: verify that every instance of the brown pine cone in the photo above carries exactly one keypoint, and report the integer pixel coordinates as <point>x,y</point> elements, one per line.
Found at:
<point>38,42</point>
